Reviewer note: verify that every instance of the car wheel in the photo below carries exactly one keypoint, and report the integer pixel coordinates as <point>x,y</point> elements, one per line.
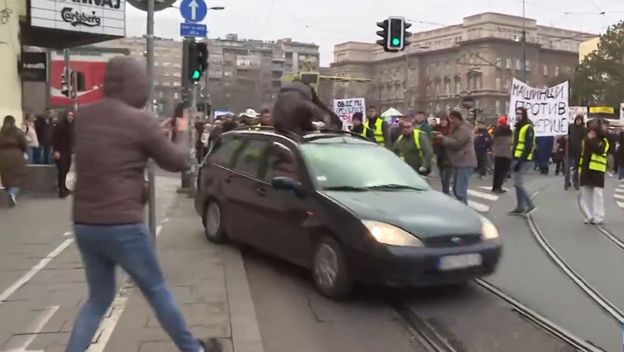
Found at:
<point>330,272</point>
<point>213,223</point>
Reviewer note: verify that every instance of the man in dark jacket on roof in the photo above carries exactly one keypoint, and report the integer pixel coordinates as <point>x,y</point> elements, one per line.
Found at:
<point>114,139</point>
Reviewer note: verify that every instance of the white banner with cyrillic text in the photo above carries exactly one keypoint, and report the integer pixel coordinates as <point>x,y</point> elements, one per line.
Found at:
<point>547,107</point>
<point>345,108</point>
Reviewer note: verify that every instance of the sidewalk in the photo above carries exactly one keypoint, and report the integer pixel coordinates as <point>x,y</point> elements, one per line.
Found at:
<point>42,283</point>
<point>209,283</point>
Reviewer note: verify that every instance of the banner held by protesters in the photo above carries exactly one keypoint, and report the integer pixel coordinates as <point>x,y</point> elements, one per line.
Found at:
<point>548,108</point>
<point>345,108</point>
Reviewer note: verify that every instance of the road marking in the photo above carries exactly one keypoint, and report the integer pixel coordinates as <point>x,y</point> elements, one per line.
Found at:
<point>490,188</point>
<point>480,207</point>
<point>107,326</point>
<point>620,204</point>
<point>482,195</point>
<point>619,196</point>
<point>619,190</point>
<point>21,342</point>
<point>68,233</point>
<point>33,271</point>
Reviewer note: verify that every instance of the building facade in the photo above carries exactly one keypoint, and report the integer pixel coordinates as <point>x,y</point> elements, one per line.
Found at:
<point>477,58</point>
<point>242,73</point>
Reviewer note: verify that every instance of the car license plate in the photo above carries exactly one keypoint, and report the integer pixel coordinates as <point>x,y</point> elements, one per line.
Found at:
<point>461,261</point>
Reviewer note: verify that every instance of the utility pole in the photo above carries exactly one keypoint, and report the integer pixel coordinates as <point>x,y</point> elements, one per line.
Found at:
<point>524,43</point>
<point>150,79</point>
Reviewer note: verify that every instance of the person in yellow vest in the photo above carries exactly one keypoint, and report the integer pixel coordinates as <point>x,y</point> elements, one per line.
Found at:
<point>592,168</point>
<point>379,127</point>
<point>523,150</point>
<point>414,147</point>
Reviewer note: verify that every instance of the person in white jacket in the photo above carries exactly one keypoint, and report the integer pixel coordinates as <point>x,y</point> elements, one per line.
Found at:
<point>28,126</point>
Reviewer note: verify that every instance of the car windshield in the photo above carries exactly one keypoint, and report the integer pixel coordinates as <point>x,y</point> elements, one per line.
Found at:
<point>359,167</point>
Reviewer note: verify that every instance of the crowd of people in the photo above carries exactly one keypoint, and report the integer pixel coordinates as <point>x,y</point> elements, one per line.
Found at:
<point>41,140</point>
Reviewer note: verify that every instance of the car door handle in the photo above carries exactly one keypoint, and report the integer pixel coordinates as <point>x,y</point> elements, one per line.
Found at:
<point>261,191</point>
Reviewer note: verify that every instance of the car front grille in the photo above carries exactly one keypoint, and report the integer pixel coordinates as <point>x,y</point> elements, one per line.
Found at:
<point>451,241</point>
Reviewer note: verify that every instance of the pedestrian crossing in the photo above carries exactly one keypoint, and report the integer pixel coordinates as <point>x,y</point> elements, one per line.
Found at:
<point>481,201</point>
<point>618,195</point>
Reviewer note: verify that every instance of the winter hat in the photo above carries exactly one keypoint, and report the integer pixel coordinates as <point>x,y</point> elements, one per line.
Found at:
<point>502,120</point>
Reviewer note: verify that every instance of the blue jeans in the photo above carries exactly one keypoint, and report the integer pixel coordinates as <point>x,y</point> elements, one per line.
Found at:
<point>45,155</point>
<point>14,191</point>
<point>461,178</point>
<point>571,168</point>
<point>522,196</point>
<point>129,246</point>
<point>621,172</point>
<point>446,173</point>
<point>30,151</point>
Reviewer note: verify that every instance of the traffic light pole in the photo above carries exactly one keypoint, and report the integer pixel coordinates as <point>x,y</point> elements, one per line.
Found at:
<point>151,179</point>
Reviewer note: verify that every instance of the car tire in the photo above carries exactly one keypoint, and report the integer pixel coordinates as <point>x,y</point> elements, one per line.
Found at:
<point>330,270</point>
<point>213,223</point>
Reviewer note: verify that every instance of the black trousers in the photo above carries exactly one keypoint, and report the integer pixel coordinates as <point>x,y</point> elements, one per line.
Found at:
<point>482,163</point>
<point>501,169</point>
<point>62,167</point>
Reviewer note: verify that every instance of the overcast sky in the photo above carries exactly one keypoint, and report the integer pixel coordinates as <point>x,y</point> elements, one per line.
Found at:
<point>328,22</point>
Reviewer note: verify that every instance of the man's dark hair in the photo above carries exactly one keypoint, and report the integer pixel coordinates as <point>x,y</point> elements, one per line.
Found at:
<point>357,116</point>
<point>456,114</point>
<point>420,112</point>
<point>265,111</point>
<point>179,110</point>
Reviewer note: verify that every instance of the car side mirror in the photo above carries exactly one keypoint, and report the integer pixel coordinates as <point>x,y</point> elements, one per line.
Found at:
<point>288,184</point>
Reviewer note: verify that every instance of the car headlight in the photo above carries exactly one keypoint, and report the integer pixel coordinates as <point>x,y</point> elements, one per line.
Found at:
<point>488,230</point>
<point>391,235</point>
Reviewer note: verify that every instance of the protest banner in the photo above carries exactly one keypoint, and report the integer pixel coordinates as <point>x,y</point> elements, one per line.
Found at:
<point>547,107</point>
<point>578,110</point>
<point>345,108</point>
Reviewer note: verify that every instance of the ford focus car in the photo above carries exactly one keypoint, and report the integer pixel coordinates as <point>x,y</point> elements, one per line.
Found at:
<point>343,207</point>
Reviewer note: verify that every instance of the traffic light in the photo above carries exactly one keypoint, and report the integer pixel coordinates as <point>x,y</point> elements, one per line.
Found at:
<point>383,34</point>
<point>197,60</point>
<point>394,34</point>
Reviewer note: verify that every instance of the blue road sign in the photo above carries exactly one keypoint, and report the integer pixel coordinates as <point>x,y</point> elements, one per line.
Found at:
<point>193,30</point>
<point>193,10</point>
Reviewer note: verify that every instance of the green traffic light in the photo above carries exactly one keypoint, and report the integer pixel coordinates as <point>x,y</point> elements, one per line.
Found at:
<point>196,75</point>
<point>396,41</point>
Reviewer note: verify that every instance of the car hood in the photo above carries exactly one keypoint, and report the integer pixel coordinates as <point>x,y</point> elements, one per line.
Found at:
<point>422,213</point>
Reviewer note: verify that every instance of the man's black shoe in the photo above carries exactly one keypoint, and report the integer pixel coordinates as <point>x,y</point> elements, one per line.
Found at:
<point>212,345</point>
<point>499,191</point>
<point>516,212</point>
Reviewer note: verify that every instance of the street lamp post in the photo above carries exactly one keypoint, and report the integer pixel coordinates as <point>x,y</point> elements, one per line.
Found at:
<point>524,43</point>
<point>150,79</point>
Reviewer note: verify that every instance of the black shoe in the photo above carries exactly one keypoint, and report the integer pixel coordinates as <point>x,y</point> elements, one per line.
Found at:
<point>530,211</point>
<point>212,345</point>
<point>499,191</point>
<point>516,212</point>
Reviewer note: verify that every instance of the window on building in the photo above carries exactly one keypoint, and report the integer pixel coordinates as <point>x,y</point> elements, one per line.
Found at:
<point>166,64</point>
<point>447,88</point>
<point>528,65</point>
<point>506,107</point>
<point>479,82</point>
<point>498,84</point>
<point>458,87</point>
<point>499,62</point>
<point>498,107</point>
<point>556,71</point>
<point>545,70</point>
<point>176,95</point>
<point>508,64</point>
<point>477,103</point>
<point>518,65</point>
<point>176,83</point>
<point>507,83</point>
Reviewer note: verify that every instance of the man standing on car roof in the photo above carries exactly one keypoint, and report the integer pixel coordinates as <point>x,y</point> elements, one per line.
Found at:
<point>380,129</point>
<point>414,146</point>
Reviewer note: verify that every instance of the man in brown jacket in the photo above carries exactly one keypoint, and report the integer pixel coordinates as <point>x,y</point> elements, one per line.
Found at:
<point>114,138</point>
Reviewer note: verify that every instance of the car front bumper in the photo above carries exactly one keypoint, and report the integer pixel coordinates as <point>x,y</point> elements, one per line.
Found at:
<point>418,267</point>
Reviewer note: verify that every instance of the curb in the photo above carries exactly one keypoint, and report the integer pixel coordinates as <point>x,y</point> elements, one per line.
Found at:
<point>244,324</point>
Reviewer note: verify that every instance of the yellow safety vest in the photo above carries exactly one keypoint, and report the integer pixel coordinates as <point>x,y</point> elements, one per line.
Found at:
<point>521,141</point>
<point>416,142</point>
<point>377,132</point>
<point>597,162</point>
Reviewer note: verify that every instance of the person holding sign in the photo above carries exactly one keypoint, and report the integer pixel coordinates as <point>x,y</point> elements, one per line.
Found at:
<point>414,147</point>
<point>592,169</point>
<point>523,150</point>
